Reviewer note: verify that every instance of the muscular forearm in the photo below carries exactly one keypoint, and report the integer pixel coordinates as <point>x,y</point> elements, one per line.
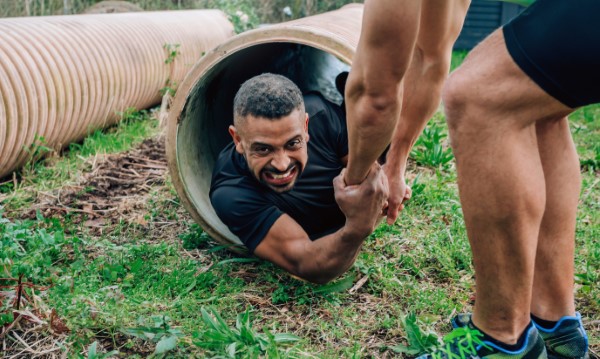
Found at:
<point>371,122</point>
<point>374,86</point>
<point>328,257</point>
<point>422,92</point>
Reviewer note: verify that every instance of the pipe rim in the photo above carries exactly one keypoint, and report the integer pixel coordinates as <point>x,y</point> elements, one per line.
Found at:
<point>317,38</point>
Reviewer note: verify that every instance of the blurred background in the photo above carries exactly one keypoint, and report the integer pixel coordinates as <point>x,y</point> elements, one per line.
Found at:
<point>483,17</point>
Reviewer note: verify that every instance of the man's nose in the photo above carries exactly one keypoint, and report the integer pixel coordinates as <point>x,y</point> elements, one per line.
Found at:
<point>281,161</point>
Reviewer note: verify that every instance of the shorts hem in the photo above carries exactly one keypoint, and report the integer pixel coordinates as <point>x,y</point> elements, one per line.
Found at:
<point>520,57</point>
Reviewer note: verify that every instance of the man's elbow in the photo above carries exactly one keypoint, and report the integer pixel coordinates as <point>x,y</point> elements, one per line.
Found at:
<point>315,264</point>
<point>318,274</point>
<point>374,111</point>
<point>317,278</point>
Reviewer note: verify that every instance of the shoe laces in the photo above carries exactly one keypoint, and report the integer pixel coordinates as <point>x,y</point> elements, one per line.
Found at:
<point>461,343</point>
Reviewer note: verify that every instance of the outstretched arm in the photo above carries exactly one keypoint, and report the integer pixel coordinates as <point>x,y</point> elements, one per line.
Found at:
<point>423,82</point>
<point>374,88</point>
<point>324,259</point>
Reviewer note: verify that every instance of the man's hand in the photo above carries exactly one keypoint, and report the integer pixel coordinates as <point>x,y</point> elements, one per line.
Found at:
<point>362,203</point>
<point>399,194</point>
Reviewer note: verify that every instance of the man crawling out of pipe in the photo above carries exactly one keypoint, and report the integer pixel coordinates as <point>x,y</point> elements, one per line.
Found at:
<point>279,185</point>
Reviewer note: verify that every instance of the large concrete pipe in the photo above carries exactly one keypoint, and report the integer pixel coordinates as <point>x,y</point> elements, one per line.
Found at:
<point>64,76</point>
<point>310,51</point>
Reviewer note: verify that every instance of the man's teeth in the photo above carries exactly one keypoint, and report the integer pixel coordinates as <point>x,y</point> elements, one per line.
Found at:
<point>283,175</point>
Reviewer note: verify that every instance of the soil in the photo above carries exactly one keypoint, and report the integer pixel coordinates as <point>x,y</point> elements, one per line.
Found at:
<point>117,188</point>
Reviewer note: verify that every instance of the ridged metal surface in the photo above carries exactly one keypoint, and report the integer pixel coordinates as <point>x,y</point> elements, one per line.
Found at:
<point>310,51</point>
<point>62,77</point>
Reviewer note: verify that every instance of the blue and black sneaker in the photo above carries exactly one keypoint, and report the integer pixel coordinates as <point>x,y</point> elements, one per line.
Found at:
<point>467,342</point>
<point>566,339</point>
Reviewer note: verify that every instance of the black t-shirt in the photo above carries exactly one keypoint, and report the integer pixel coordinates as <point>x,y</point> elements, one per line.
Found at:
<point>250,208</point>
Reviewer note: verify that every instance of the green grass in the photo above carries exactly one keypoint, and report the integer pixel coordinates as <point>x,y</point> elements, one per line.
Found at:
<point>165,289</point>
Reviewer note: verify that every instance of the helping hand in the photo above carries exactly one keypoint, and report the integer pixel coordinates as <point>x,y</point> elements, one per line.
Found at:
<point>362,203</point>
<point>400,193</point>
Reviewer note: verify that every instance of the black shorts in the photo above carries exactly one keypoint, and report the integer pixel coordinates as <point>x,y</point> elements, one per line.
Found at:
<point>557,44</point>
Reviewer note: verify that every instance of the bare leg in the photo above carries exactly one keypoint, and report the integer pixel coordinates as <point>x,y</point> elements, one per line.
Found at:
<point>553,280</point>
<point>492,109</point>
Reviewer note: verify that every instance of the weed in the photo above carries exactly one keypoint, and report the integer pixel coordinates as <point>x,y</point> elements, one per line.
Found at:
<point>35,152</point>
<point>172,51</point>
<point>431,148</point>
<point>242,341</point>
<point>419,340</point>
<point>156,329</point>
<point>430,151</point>
<point>304,293</point>
<point>93,352</point>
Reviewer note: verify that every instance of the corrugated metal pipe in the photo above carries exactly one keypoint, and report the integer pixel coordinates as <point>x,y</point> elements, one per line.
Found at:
<point>311,51</point>
<point>62,77</point>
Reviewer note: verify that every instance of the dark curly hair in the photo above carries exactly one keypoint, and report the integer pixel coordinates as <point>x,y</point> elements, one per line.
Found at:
<point>269,96</point>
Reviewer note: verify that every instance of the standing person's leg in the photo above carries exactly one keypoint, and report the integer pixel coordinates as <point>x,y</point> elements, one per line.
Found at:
<point>553,302</point>
<point>492,109</point>
<point>553,295</point>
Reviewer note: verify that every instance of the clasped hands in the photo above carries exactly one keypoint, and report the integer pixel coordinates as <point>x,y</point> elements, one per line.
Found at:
<point>366,204</point>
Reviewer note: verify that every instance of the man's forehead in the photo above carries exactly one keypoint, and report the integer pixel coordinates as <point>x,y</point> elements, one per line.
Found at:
<point>256,129</point>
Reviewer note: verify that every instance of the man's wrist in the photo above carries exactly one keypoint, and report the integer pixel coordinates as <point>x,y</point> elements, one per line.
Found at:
<point>355,232</point>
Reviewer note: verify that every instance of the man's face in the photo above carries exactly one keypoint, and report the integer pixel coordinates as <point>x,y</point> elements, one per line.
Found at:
<point>276,150</point>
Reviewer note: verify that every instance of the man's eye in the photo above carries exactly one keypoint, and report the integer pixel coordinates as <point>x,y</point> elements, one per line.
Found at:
<point>262,150</point>
<point>295,144</point>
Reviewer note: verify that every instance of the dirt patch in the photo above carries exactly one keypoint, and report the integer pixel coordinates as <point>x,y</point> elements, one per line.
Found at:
<point>115,190</point>
<point>36,331</point>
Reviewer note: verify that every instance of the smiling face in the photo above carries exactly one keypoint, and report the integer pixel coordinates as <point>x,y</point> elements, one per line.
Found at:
<point>275,149</point>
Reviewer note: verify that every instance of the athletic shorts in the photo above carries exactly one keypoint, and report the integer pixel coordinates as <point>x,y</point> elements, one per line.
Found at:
<point>557,44</point>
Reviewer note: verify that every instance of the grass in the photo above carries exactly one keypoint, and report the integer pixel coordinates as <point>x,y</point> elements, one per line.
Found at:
<point>160,287</point>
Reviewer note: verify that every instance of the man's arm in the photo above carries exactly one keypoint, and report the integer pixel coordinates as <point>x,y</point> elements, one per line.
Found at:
<point>374,88</point>
<point>325,258</point>
<point>441,24</point>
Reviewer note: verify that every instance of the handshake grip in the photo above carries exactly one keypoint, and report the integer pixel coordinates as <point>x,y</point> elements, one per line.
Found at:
<point>363,203</point>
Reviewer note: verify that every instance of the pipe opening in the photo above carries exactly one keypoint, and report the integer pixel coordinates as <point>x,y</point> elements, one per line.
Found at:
<point>208,111</point>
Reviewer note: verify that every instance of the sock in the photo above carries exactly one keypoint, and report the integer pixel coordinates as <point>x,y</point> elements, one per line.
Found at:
<point>509,347</point>
<point>546,324</point>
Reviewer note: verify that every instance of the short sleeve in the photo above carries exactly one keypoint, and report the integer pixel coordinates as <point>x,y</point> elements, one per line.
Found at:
<point>327,122</point>
<point>247,213</point>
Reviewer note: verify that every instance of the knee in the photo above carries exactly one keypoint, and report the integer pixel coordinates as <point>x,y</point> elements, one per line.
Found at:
<point>454,97</point>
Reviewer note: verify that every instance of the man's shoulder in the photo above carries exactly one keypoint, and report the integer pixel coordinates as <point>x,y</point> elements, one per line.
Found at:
<point>230,173</point>
<point>315,102</point>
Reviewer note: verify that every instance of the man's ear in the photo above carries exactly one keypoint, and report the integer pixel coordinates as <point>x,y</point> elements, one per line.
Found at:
<point>306,128</point>
<point>237,140</point>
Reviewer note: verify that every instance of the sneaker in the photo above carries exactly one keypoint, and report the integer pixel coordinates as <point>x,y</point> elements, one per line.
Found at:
<point>567,339</point>
<point>461,320</point>
<point>467,342</point>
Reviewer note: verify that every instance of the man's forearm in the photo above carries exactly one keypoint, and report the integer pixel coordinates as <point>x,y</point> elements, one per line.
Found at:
<point>328,257</point>
<point>422,93</point>
<point>371,123</point>
<point>374,85</point>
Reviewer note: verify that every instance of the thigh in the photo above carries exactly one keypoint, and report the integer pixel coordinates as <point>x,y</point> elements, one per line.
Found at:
<point>490,84</point>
